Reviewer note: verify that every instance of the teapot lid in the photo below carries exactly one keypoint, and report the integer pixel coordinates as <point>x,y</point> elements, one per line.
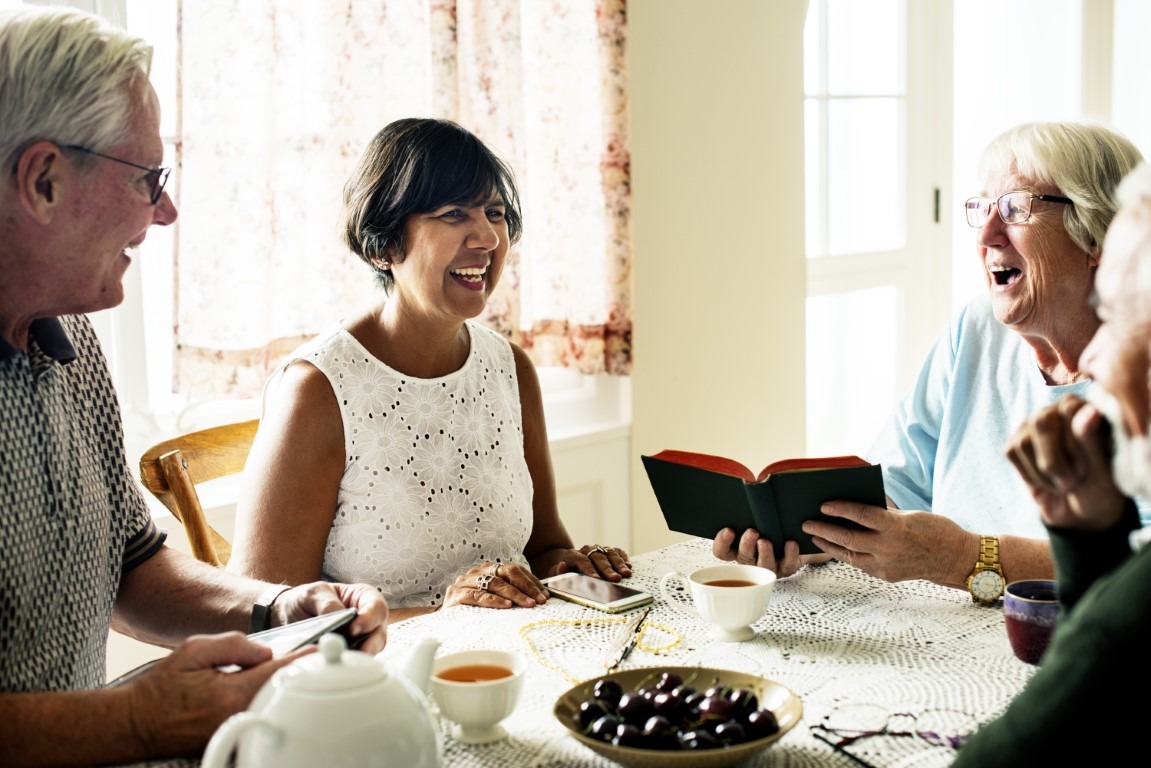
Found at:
<point>334,668</point>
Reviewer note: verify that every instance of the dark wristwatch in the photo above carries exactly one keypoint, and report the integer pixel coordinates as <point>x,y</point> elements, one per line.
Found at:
<point>986,581</point>
<point>262,608</point>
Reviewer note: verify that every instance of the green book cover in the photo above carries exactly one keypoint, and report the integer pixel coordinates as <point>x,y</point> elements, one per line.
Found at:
<point>700,494</point>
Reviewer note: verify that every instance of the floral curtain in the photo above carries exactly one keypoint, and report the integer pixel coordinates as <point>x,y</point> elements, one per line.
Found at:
<point>278,100</point>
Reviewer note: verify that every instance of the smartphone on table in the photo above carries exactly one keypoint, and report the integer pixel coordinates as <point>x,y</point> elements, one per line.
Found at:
<point>289,637</point>
<point>596,593</point>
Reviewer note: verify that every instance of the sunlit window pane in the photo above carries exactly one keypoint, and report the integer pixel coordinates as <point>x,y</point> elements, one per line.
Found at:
<point>1130,108</point>
<point>851,368</point>
<point>156,22</point>
<point>864,47</point>
<point>813,61</point>
<point>865,197</point>
<point>813,179</point>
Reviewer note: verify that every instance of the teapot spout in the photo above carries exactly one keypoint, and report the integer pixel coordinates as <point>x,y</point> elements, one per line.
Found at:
<point>418,670</point>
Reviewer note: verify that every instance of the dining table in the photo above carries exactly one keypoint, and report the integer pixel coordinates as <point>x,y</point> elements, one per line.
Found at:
<point>841,641</point>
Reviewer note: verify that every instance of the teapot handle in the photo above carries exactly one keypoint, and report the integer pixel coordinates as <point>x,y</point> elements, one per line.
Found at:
<point>228,734</point>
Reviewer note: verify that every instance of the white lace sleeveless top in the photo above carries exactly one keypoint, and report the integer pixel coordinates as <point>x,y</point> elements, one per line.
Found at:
<point>435,479</point>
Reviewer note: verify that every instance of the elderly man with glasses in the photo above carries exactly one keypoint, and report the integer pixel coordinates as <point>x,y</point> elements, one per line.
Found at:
<point>1079,459</point>
<point>958,514</point>
<point>79,552</point>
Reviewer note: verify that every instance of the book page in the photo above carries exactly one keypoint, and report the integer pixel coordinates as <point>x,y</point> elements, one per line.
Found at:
<point>708,462</point>
<point>801,465</point>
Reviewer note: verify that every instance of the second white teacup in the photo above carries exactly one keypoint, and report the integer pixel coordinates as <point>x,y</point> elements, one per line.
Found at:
<point>476,690</point>
<point>732,597</point>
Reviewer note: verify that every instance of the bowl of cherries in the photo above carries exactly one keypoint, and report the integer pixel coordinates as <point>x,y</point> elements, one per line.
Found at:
<point>678,716</point>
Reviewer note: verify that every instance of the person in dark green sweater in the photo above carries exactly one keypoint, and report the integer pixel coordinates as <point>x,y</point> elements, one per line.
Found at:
<point>1083,460</point>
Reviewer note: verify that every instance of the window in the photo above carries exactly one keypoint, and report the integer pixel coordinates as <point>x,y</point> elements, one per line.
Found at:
<point>140,345</point>
<point>874,216</point>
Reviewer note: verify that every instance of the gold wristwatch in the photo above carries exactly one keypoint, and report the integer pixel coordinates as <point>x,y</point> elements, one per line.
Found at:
<point>986,581</point>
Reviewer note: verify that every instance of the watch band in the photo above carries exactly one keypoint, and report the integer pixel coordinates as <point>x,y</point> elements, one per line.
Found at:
<point>989,551</point>
<point>262,608</point>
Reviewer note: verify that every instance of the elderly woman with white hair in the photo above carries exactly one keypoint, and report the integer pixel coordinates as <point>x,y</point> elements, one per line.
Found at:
<point>958,514</point>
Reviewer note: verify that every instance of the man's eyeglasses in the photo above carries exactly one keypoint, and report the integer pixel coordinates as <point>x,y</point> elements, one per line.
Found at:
<point>850,725</point>
<point>157,177</point>
<point>1013,207</point>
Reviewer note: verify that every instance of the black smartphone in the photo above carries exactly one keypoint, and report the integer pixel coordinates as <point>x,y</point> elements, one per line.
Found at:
<point>596,593</point>
<point>289,637</point>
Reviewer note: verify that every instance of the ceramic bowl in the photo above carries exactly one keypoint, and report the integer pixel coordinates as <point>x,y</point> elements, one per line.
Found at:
<point>781,701</point>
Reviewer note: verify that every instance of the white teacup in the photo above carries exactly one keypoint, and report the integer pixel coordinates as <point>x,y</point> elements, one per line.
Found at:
<point>476,690</point>
<point>732,597</point>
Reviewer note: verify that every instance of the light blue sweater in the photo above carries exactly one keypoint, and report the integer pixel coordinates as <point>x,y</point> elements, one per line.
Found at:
<point>942,447</point>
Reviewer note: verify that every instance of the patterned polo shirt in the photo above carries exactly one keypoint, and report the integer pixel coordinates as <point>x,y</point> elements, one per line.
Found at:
<point>72,518</point>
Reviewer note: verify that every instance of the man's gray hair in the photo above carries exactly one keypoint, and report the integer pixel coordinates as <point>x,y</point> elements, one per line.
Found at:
<point>68,77</point>
<point>1135,185</point>
<point>1084,161</point>
<point>1133,191</point>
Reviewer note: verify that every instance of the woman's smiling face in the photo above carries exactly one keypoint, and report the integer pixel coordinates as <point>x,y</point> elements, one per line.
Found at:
<point>453,258</point>
<point>1034,270</point>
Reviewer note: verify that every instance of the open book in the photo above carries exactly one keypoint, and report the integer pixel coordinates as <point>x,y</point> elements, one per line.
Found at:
<point>700,494</point>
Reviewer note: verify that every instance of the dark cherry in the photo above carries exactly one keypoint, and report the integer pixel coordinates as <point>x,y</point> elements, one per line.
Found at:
<point>669,681</point>
<point>730,732</point>
<point>590,711</point>
<point>634,708</point>
<point>608,691</point>
<point>660,733</point>
<point>761,724</point>
<point>669,706</point>
<point>716,709</point>
<point>628,735</point>
<point>698,739</point>
<point>745,702</point>
<point>605,728</point>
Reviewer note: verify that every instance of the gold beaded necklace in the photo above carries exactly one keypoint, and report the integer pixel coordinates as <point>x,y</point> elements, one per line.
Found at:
<point>653,628</point>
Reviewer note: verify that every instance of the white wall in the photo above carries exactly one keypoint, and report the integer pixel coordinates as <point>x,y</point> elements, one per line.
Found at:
<point>716,97</point>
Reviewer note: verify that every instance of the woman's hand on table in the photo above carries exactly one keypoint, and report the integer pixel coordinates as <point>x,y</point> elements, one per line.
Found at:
<point>608,563</point>
<point>753,549</point>
<point>496,585</point>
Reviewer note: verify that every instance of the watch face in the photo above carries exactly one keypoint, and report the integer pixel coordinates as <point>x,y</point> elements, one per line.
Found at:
<point>986,585</point>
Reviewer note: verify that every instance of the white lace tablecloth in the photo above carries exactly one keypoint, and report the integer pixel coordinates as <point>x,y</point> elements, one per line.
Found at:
<point>831,634</point>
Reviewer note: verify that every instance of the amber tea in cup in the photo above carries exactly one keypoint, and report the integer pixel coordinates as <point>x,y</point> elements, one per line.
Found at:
<point>476,690</point>
<point>474,673</point>
<point>730,583</point>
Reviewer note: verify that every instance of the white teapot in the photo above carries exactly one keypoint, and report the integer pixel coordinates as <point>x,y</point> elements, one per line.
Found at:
<point>336,707</point>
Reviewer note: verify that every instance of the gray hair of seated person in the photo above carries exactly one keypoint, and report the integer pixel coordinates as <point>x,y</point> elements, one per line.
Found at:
<point>1084,161</point>
<point>412,166</point>
<point>66,76</point>
<point>1135,189</point>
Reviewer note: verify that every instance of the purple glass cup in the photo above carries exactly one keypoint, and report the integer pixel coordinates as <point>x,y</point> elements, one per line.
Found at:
<point>1031,610</point>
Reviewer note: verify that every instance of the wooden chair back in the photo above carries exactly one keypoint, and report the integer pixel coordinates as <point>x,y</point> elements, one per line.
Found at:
<point>171,470</point>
